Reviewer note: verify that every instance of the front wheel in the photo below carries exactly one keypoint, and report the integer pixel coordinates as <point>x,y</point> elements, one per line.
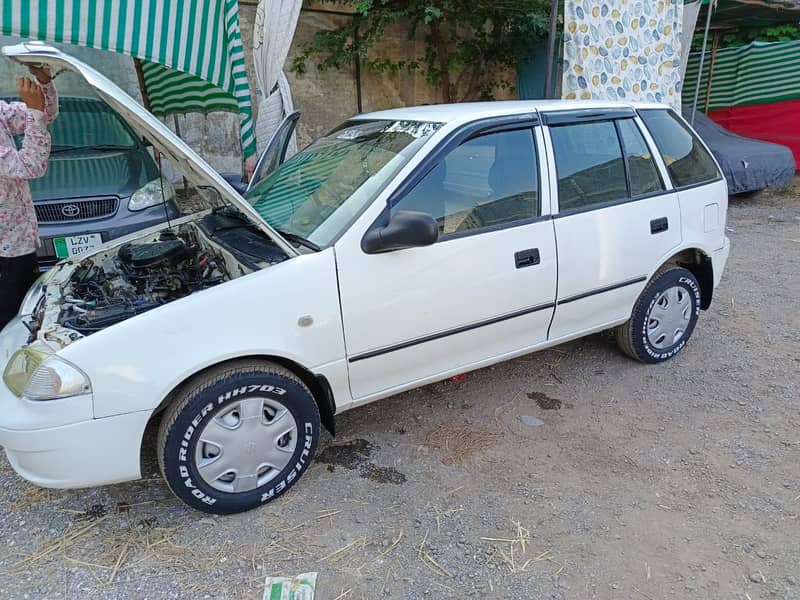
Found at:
<point>238,437</point>
<point>663,317</point>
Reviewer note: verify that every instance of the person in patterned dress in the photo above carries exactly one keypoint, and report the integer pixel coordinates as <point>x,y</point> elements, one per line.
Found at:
<point>19,237</point>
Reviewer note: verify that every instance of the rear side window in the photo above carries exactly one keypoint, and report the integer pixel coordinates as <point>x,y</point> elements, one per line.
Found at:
<point>688,162</point>
<point>589,164</point>
<point>642,170</point>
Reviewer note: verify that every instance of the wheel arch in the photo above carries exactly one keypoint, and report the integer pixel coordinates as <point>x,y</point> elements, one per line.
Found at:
<point>318,384</point>
<point>699,263</point>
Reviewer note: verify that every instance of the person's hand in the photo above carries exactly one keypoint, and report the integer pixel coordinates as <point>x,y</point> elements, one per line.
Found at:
<point>250,166</point>
<point>42,73</point>
<point>30,93</point>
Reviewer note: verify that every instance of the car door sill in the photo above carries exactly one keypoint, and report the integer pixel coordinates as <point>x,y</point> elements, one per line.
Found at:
<point>449,332</point>
<point>385,393</point>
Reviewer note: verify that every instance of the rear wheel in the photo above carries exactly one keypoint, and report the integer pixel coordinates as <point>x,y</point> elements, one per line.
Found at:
<point>663,317</point>
<point>238,437</point>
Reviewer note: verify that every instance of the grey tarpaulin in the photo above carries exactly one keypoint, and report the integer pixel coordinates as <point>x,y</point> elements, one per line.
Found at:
<point>747,164</point>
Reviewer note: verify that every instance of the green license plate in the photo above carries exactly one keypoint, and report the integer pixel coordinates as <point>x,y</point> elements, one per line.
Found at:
<point>67,247</point>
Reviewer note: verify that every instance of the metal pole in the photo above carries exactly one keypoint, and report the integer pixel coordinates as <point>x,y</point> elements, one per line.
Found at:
<point>178,133</point>
<point>551,48</point>
<point>145,101</point>
<point>702,60</point>
<point>142,87</point>
<point>357,48</point>
<point>714,46</point>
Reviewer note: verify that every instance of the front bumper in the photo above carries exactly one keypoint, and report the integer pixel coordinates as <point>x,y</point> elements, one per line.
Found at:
<point>58,443</point>
<point>85,454</point>
<point>719,259</point>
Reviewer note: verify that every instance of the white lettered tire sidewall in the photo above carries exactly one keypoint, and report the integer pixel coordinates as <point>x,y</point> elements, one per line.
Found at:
<point>642,347</point>
<point>179,439</point>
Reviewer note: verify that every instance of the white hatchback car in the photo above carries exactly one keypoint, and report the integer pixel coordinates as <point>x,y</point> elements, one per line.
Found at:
<point>402,248</point>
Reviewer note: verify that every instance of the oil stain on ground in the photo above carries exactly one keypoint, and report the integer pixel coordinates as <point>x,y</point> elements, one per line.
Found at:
<point>545,402</point>
<point>354,455</point>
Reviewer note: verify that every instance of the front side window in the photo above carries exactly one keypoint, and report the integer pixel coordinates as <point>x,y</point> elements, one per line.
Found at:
<point>642,170</point>
<point>318,192</point>
<point>488,181</point>
<point>688,162</point>
<point>589,165</point>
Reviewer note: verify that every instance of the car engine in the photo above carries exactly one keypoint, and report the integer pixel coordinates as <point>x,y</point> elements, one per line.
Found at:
<point>141,276</point>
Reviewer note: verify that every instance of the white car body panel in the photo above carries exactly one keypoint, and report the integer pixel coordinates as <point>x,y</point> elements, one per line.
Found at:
<point>599,243</point>
<point>390,300</point>
<point>84,454</point>
<point>371,324</point>
<point>144,358</point>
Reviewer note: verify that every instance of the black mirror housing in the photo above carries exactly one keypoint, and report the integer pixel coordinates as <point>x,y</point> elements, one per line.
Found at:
<point>405,229</point>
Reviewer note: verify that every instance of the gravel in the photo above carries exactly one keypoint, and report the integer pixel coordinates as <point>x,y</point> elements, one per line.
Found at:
<point>670,481</point>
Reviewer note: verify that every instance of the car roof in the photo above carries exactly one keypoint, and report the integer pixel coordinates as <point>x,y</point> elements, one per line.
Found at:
<point>470,111</point>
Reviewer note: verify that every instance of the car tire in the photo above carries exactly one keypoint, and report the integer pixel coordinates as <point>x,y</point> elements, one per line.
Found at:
<point>238,437</point>
<point>663,317</point>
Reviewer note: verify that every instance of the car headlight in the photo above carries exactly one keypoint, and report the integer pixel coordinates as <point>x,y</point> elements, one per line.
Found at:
<point>151,194</point>
<point>40,375</point>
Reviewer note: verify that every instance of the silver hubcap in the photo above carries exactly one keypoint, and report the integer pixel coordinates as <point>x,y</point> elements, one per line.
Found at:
<point>246,445</point>
<point>669,317</point>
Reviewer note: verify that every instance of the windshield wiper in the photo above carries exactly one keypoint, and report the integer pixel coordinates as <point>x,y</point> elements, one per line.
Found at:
<point>293,237</point>
<point>98,148</point>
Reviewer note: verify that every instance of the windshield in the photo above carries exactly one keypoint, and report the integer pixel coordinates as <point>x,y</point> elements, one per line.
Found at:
<point>89,123</point>
<point>318,193</point>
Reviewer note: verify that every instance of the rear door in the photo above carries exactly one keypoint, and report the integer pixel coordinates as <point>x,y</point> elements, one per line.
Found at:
<point>616,217</point>
<point>701,188</point>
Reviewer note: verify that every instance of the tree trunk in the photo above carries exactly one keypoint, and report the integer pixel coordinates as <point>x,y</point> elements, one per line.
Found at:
<point>440,44</point>
<point>475,84</point>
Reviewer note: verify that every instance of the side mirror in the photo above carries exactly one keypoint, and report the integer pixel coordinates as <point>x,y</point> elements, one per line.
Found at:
<point>405,229</point>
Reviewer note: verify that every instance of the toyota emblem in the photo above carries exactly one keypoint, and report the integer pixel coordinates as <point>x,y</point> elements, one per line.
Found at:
<point>70,210</point>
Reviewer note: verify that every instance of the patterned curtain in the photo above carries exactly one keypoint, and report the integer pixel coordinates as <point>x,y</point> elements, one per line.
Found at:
<point>623,50</point>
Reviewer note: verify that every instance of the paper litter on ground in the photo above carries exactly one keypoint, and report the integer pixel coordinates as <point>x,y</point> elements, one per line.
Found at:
<point>301,587</point>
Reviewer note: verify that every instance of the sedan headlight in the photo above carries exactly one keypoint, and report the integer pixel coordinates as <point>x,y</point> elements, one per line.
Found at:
<point>151,194</point>
<point>40,375</point>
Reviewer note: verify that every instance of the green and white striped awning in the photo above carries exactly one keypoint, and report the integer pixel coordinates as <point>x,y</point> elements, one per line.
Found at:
<point>191,50</point>
<point>170,92</point>
<point>759,73</point>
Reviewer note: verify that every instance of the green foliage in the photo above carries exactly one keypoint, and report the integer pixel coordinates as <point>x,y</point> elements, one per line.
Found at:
<point>742,37</point>
<point>469,45</point>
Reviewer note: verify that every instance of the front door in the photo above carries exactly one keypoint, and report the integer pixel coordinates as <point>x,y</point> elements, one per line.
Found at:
<point>484,290</point>
<point>615,223</point>
<point>275,152</point>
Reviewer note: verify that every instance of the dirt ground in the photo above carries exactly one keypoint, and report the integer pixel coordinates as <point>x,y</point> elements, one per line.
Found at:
<point>571,473</point>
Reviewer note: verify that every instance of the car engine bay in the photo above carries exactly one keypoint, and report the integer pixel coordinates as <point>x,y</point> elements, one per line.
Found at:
<point>141,275</point>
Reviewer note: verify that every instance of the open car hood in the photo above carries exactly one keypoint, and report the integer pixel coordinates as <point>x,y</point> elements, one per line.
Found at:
<point>194,168</point>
